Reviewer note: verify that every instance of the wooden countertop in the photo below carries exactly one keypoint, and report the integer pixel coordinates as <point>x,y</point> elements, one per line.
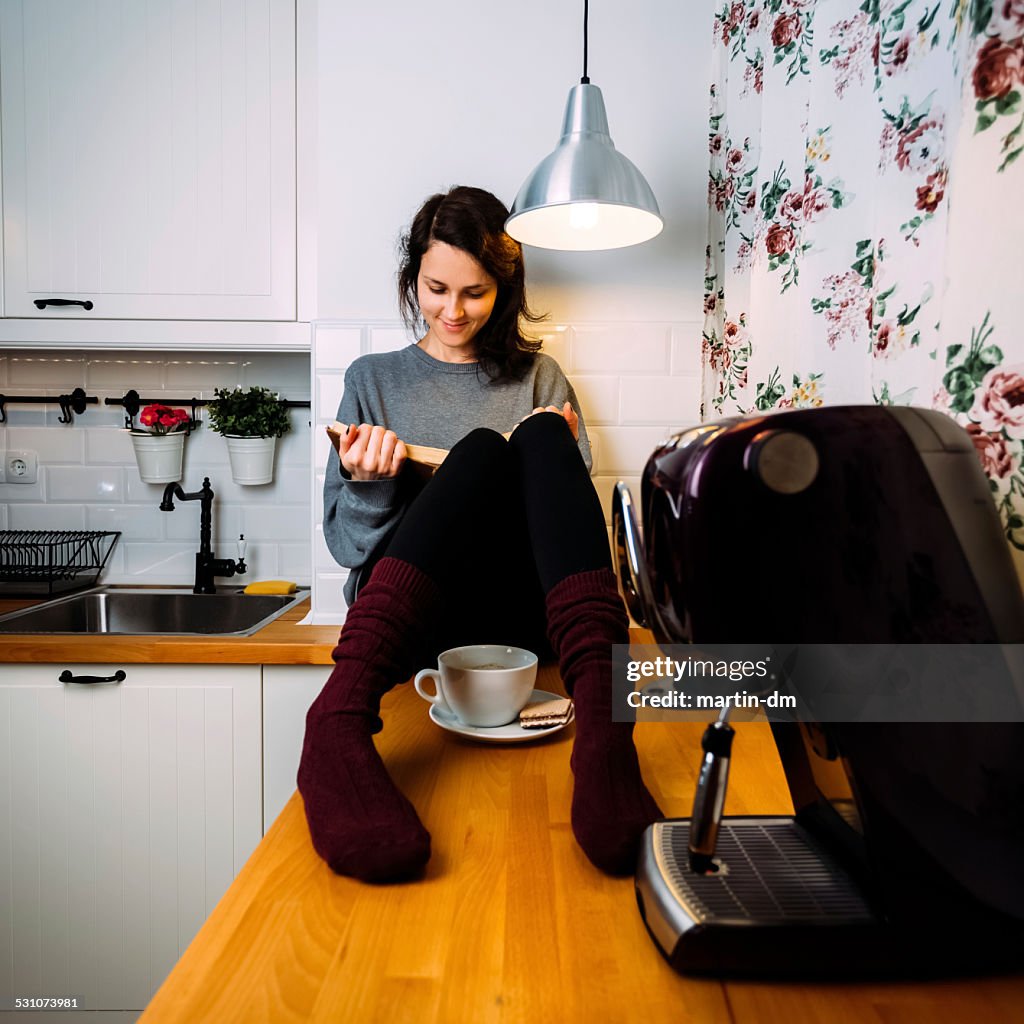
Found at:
<point>511,922</point>
<point>281,642</point>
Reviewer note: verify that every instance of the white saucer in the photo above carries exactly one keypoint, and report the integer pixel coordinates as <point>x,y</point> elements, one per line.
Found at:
<point>511,733</point>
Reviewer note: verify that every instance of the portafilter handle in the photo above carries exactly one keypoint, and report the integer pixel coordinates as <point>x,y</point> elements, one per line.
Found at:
<point>709,800</point>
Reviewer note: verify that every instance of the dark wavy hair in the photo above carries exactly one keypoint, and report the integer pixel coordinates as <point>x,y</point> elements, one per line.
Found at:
<point>473,220</point>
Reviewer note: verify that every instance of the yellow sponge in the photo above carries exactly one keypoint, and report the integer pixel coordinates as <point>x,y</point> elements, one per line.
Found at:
<point>271,587</point>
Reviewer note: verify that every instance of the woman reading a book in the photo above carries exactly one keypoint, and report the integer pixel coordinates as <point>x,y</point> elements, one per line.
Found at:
<point>504,543</point>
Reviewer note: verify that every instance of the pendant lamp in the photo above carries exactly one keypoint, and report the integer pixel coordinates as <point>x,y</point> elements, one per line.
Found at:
<point>586,194</point>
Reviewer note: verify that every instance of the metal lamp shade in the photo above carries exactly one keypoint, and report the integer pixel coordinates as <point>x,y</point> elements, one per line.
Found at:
<point>584,195</point>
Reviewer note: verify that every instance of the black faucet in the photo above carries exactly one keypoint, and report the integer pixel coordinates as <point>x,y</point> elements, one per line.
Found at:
<point>207,564</point>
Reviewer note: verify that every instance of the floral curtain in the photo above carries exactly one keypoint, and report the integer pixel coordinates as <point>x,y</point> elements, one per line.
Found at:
<point>865,229</point>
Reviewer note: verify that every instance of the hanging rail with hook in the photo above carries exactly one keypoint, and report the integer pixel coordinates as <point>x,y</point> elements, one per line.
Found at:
<point>132,403</point>
<point>76,402</point>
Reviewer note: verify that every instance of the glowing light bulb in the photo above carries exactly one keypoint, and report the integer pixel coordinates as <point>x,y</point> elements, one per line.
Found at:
<point>583,216</point>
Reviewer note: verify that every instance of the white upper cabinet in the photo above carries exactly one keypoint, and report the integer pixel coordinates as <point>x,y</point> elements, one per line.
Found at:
<point>148,154</point>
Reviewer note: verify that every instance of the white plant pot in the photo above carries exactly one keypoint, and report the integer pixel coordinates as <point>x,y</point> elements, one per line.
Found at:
<point>159,456</point>
<point>251,458</point>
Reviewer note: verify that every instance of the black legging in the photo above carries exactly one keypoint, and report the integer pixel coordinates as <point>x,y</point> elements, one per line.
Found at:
<point>498,525</point>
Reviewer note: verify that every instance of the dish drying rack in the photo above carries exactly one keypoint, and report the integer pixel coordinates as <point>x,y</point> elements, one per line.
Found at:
<point>51,562</point>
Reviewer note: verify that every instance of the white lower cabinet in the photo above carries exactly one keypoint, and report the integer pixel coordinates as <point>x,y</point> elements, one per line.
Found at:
<point>288,690</point>
<point>127,808</point>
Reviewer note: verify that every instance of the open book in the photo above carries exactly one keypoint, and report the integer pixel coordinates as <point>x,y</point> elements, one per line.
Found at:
<point>425,458</point>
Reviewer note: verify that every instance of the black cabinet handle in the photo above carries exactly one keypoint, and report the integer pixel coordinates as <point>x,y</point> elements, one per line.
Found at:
<point>43,303</point>
<point>117,677</point>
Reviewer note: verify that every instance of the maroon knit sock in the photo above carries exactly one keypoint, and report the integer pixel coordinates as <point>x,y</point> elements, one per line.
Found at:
<point>359,821</point>
<point>611,806</point>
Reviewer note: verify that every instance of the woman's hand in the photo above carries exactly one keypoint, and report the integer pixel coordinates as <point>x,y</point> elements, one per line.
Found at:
<point>371,453</point>
<point>567,412</point>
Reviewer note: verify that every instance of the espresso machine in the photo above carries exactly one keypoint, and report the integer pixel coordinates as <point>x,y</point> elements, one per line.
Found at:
<point>842,525</point>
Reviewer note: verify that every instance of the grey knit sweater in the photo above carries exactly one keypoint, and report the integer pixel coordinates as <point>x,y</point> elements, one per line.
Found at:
<point>427,402</point>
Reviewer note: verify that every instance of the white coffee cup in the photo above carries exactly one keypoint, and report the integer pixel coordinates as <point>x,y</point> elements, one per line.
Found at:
<point>483,685</point>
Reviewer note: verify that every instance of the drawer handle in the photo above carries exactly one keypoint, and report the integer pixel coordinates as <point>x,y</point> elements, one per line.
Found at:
<point>43,303</point>
<point>118,677</point>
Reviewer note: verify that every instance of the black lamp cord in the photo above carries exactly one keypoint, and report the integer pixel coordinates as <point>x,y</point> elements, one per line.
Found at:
<point>586,14</point>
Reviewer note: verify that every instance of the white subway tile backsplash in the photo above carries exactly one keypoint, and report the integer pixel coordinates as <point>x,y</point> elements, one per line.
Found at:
<point>141,373</point>
<point>28,415</point>
<point>290,486</point>
<point>322,557</point>
<point>323,451</point>
<point>659,400</point>
<point>101,415</point>
<point>204,449</point>
<point>293,561</point>
<point>135,523</point>
<point>388,339</point>
<point>25,493</point>
<point>335,348</point>
<point>88,477</point>
<point>556,342</point>
<point>281,372</point>
<point>330,388</point>
<point>293,448</point>
<point>107,445</point>
<point>46,517</point>
<point>621,348</point>
<point>57,372</point>
<point>114,569</point>
<point>182,524</point>
<point>195,373</point>
<point>51,445</point>
<point>294,479</point>
<point>330,600</point>
<point>686,349</point>
<point>159,563</point>
<point>285,523</point>
<point>599,398</point>
<point>85,484</point>
<point>625,449</point>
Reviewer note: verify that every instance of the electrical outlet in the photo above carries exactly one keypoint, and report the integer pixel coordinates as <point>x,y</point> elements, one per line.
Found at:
<point>21,467</point>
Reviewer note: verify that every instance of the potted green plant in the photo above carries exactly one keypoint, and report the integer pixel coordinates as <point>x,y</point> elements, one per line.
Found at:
<point>251,422</point>
<point>160,443</point>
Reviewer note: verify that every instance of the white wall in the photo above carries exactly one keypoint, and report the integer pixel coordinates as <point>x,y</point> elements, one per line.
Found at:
<point>415,98</point>
<point>88,477</point>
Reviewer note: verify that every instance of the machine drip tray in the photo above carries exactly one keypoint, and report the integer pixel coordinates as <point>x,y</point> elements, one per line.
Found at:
<point>781,906</point>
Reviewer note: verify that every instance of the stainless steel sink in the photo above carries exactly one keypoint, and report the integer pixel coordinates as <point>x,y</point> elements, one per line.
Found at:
<point>149,612</point>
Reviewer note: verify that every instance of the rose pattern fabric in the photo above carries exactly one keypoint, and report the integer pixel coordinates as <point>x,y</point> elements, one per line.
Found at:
<point>988,395</point>
<point>854,296</point>
<point>864,216</point>
<point>881,38</point>
<point>787,211</point>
